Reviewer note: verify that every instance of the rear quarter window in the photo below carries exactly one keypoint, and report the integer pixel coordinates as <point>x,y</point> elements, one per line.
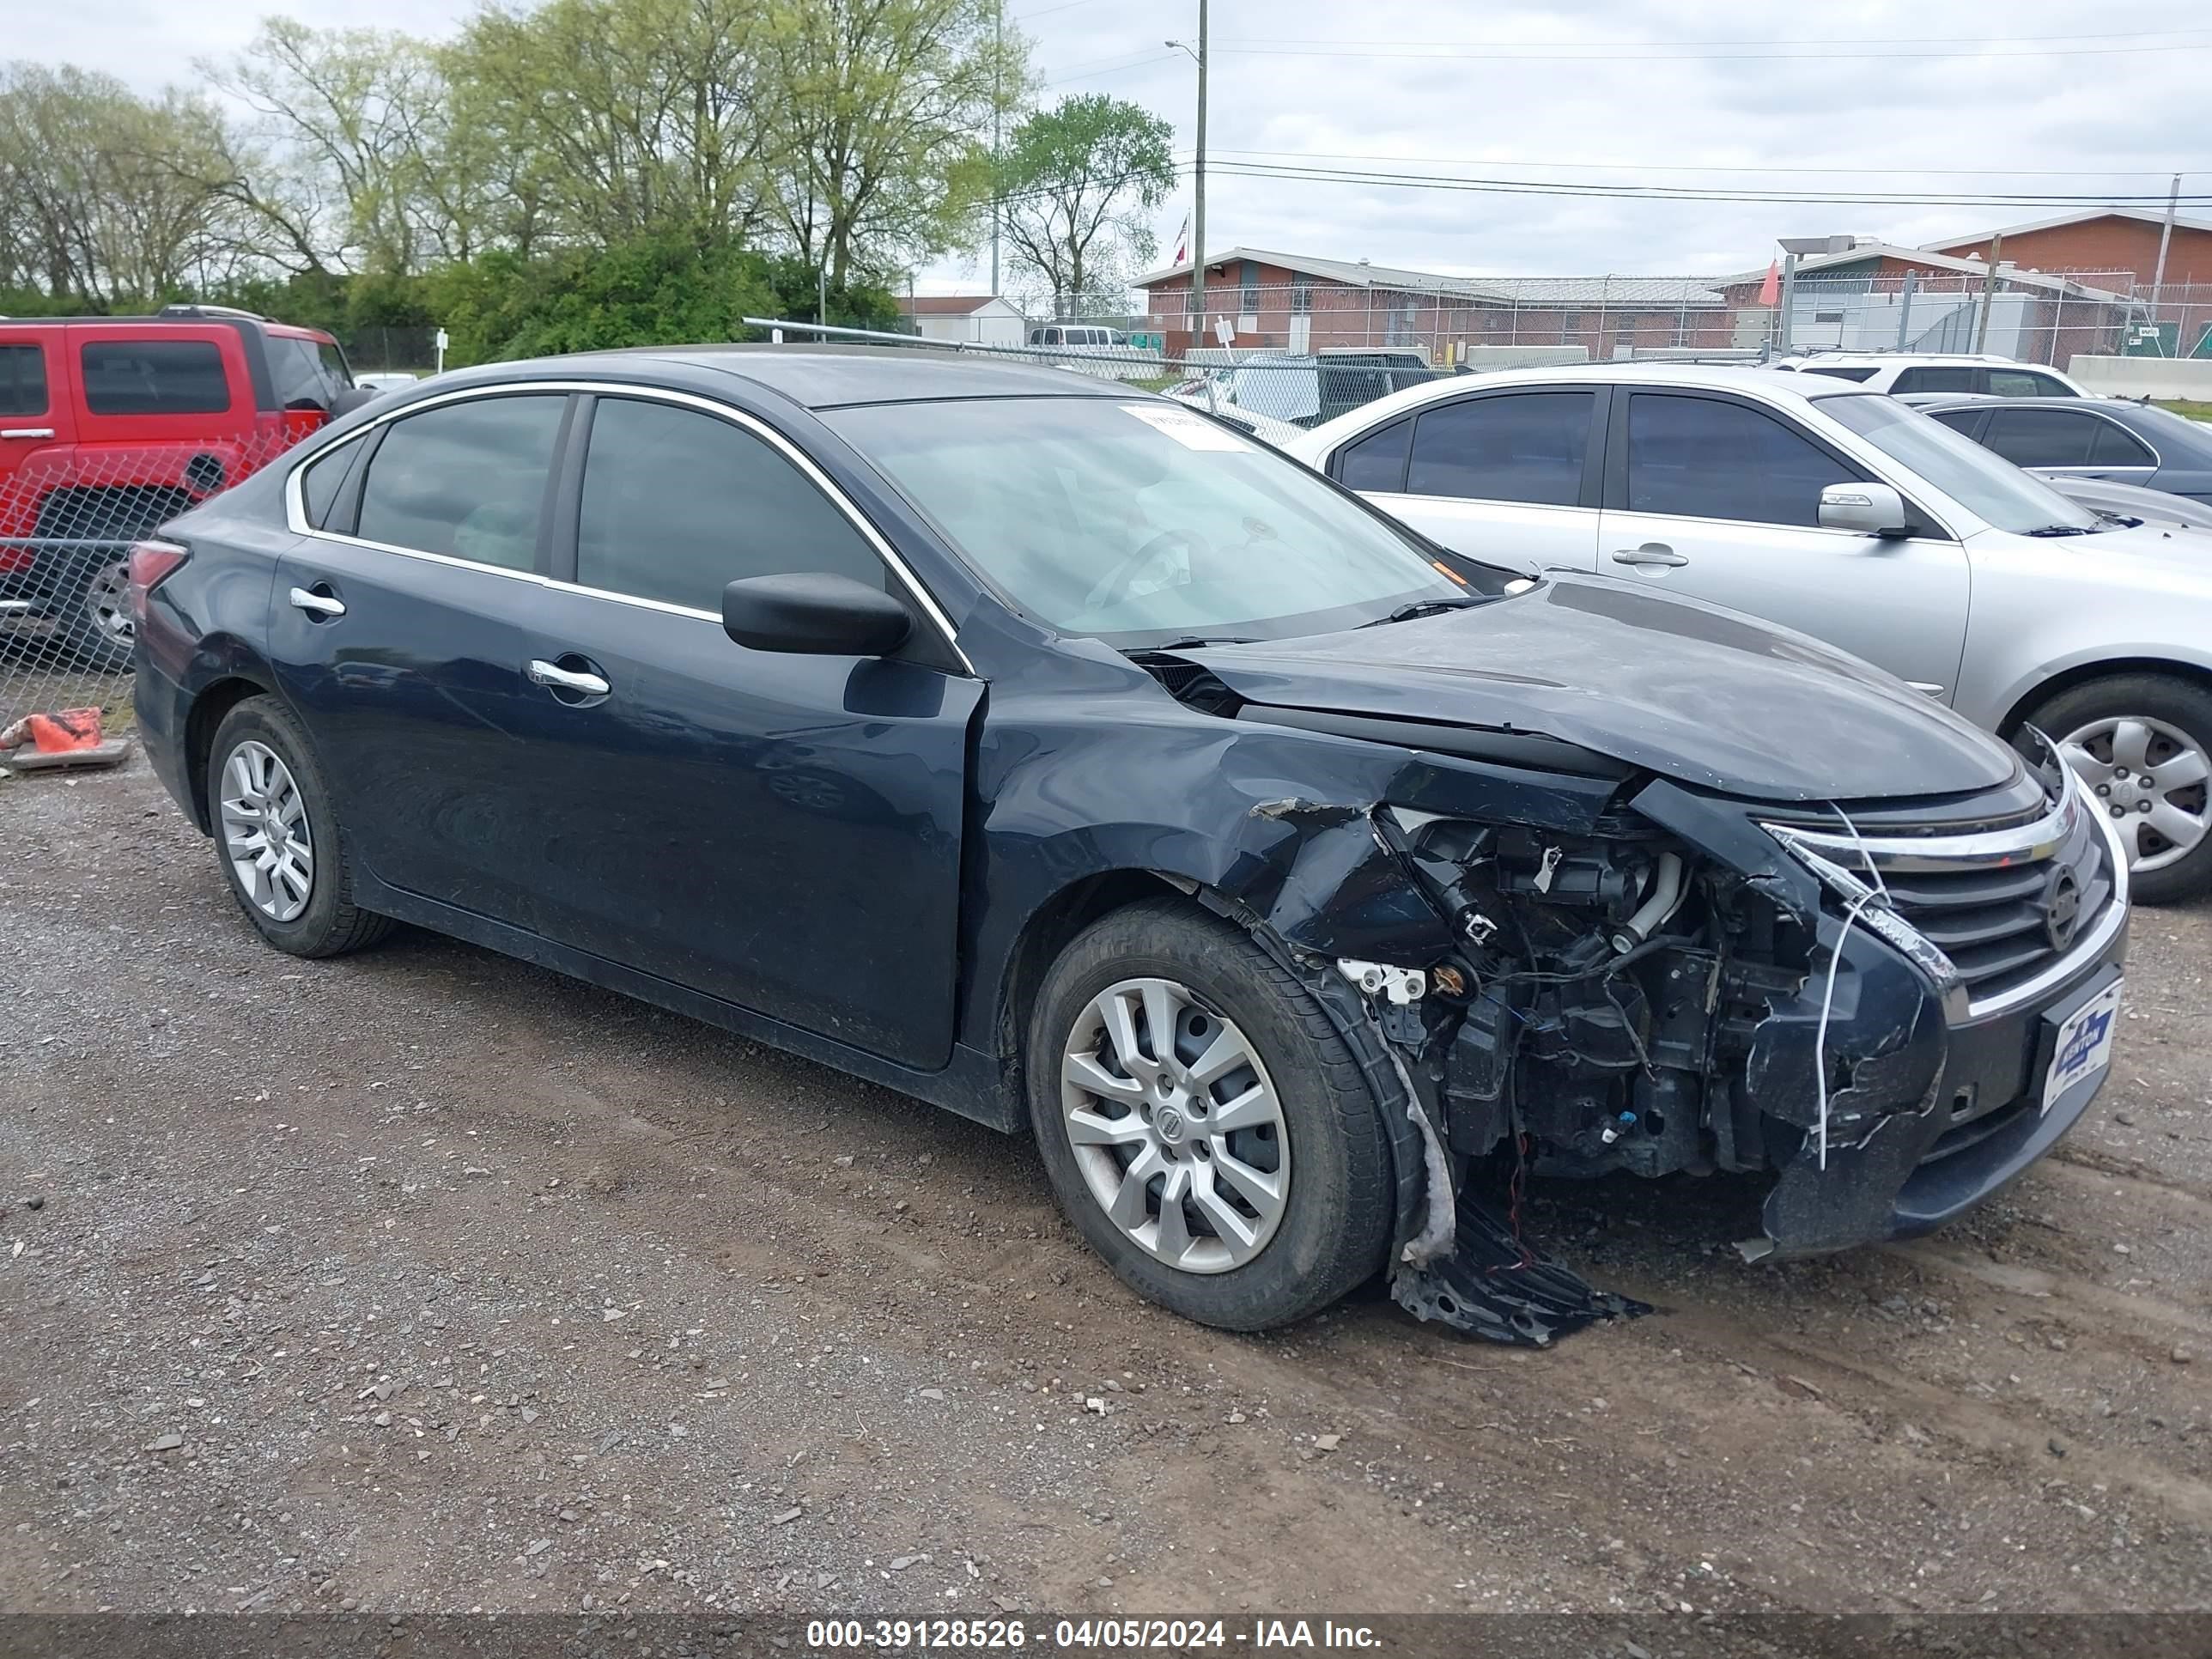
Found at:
<point>153,377</point>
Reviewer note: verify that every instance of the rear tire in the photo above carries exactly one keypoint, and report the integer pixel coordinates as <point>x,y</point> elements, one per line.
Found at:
<point>96,629</point>
<point>276,834</point>
<point>2144,744</point>
<point>1262,1095</point>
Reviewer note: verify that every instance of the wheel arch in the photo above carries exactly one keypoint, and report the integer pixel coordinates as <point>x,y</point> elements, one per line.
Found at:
<point>210,705</point>
<point>2081,674</point>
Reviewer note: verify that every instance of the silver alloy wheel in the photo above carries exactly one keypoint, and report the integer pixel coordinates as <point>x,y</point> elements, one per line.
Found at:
<point>2152,779</point>
<point>1176,1125</point>
<point>266,831</point>
<point>107,604</point>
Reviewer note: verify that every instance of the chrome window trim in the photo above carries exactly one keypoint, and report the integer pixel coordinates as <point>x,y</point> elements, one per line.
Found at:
<point>1813,850</point>
<point>296,515</point>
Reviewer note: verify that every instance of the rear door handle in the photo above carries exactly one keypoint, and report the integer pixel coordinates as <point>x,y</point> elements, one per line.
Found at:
<point>26,432</point>
<point>541,672</point>
<point>1649,553</point>
<point>326,605</point>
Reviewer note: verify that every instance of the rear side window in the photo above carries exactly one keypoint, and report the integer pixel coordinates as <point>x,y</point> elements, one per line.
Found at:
<point>1859,374</point>
<point>1377,461</point>
<point>2118,447</point>
<point>23,379</point>
<point>324,477</point>
<point>678,504</point>
<point>1527,447</point>
<point>1701,458</point>
<point>465,479</point>
<point>1937,380</point>
<point>2041,437</point>
<point>155,377</point>
<point>1958,420</point>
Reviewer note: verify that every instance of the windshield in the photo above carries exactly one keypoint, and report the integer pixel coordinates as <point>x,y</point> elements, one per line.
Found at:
<point>1986,483</point>
<point>1144,522</point>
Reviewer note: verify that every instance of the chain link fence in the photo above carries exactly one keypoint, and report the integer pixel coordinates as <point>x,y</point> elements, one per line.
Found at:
<point>69,514</point>
<point>2032,316</point>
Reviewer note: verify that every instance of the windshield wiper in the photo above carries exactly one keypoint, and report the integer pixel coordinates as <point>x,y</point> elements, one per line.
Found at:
<point>1189,643</point>
<point>2065,530</point>
<point>1421,607</point>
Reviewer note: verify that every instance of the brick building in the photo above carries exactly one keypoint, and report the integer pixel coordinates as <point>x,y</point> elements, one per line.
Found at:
<point>2110,239</point>
<point>1299,303</point>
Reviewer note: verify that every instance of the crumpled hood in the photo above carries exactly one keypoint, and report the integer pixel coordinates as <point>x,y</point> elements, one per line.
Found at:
<point>1707,696</point>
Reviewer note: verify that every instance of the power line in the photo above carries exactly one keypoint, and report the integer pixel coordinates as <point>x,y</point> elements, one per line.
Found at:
<point>1494,55</point>
<point>1656,167</point>
<point>1788,40</point>
<point>1680,194</point>
<point>1110,66</point>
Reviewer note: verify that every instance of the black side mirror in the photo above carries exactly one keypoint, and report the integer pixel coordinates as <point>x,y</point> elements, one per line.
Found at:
<point>814,615</point>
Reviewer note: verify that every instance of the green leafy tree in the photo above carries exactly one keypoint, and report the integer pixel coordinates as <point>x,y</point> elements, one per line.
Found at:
<point>1078,183</point>
<point>880,112</point>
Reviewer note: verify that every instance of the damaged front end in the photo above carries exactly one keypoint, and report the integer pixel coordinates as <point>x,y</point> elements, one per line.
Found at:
<point>1627,974</point>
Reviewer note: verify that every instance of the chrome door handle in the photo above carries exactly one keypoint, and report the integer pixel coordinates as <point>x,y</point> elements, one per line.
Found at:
<point>541,672</point>
<point>26,432</point>
<point>320,604</point>
<point>1649,553</point>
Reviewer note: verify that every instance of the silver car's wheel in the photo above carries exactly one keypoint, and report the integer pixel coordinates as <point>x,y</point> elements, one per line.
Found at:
<point>265,832</point>
<point>2152,778</point>
<point>1176,1127</point>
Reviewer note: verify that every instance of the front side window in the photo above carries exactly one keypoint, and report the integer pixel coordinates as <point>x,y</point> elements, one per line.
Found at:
<point>2041,437</point>
<point>305,376</point>
<point>1142,522</point>
<point>2026,383</point>
<point>155,377</point>
<point>23,379</point>
<point>1701,458</point>
<point>465,479</point>
<point>1958,420</point>
<point>1935,379</point>
<point>1527,447</point>
<point>678,504</point>
<point>1985,484</point>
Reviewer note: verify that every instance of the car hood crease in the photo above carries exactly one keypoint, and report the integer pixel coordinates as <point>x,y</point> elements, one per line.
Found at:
<point>1702,694</point>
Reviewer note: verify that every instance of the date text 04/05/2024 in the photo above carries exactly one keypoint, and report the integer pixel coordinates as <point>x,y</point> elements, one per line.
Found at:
<point>1086,1635</point>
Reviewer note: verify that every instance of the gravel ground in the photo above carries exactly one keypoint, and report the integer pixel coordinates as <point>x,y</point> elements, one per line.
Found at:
<point>423,1280</point>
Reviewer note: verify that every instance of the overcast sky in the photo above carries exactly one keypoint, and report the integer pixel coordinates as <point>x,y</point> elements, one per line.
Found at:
<point>1594,91</point>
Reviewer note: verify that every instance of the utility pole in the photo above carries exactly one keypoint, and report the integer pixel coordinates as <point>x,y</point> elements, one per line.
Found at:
<point>1198,175</point>
<point>1989,292</point>
<point>2165,236</point>
<point>998,62</point>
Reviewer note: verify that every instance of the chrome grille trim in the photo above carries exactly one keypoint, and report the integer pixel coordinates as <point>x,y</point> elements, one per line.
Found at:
<point>2024,843</point>
<point>1837,859</point>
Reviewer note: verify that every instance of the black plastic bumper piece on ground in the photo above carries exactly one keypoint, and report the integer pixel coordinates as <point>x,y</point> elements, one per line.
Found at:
<point>1494,1286</point>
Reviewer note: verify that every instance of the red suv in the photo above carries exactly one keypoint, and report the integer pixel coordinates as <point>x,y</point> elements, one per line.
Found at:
<point>110,426</point>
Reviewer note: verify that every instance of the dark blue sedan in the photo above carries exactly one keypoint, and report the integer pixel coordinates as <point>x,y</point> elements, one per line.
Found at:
<point>1057,755</point>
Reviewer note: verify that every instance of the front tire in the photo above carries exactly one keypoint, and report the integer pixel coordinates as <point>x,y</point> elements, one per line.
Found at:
<point>2142,743</point>
<point>277,836</point>
<point>1204,1125</point>
<point>95,624</point>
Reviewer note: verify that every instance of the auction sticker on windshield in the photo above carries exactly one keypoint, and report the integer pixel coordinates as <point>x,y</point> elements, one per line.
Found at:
<point>1191,431</point>
<point>2085,1043</point>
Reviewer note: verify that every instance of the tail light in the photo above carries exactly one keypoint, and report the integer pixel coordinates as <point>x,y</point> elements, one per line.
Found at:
<point>152,564</point>
<point>299,424</point>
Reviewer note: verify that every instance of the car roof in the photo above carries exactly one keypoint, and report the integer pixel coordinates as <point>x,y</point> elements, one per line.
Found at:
<point>1913,360</point>
<point>1700,377</point>
<point>831,376</point>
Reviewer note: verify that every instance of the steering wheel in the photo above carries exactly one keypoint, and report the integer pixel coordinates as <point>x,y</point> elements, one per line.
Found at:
<point>1112,579</point>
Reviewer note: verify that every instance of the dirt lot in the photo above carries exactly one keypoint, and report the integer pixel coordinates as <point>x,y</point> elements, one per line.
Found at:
<point>423,1280</point>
